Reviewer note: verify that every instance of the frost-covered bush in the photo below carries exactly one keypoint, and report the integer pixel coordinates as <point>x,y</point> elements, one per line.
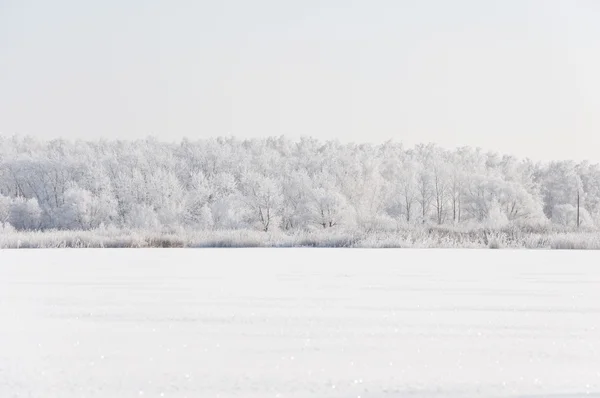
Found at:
<point>5,205</point>
<point>143,216</point>
<point>25,213</point>
<point>81,209</point>
<point>419,238</point>
<point>566,215</point>
<point>6,228</point>
<point>496,218</point>
<point>227,214</point>
<point>76,209</point>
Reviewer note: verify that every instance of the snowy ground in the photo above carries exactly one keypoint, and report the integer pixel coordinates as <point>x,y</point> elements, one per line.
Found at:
<point>299,323</point>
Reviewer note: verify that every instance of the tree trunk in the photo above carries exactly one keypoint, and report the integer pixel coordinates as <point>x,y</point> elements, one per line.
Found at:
<point>454,210</point>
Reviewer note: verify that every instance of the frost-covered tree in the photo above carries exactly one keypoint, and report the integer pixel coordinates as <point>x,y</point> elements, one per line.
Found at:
<point>262,196</point>
<point>328,208</point>
<point>196,209</point>
<point>296,190</point>
<point>81,209</point>
<point>561,184</point>
<point>226,183</point>
<point>441,186</point>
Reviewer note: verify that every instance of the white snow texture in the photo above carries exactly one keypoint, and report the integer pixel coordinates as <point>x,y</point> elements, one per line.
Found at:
<point>297,323</point>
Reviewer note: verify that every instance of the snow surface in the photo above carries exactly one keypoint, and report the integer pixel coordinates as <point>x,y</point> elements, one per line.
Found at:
<point>299,323</point>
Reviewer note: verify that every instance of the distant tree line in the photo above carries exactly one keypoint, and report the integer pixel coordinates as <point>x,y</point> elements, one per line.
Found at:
<point>276,183</point>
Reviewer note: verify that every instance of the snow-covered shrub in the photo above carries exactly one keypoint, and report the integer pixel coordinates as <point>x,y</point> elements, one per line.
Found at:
<point>566,215</point>
<point>82,209</point>
<point>378,223</point>
<point>6,228</point>
<point>25,213</point>
<point>205,218</point>
<point>226,213</point>
<point>496,218</point>
<point>143,216</point>
<point>5,204</point>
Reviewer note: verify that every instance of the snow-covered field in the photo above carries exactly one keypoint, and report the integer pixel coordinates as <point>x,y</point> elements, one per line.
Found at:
<point>299,323</point>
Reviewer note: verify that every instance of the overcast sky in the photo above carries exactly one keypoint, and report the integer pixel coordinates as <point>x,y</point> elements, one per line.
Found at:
<point>520,77</point>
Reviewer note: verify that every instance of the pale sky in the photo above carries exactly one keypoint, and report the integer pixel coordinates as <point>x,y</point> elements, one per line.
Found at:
<point>516,76</point>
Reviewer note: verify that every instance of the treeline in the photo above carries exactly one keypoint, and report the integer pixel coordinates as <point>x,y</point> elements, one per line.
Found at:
<point>275,183</point>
